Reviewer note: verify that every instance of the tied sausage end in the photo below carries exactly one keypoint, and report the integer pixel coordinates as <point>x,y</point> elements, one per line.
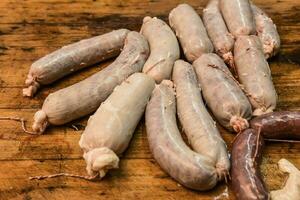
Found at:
<point>239,124</point>
<point>228,59</point>
<point>168,83</point>
<point>147,18</point>
<point>40,122</point>
<point>269,48</point>
<point>33,86</point>
<point>100,160</point>
<point>222,173</point>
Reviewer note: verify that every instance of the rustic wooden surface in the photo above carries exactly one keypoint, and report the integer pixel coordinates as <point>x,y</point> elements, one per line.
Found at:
<point>30,29</point>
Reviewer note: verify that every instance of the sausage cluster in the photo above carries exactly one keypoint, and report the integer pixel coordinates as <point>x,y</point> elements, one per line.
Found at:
<point>226,76</point>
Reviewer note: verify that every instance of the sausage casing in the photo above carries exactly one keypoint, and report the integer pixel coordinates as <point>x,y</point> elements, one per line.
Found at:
<point>167,146</point>
<point>278,125</point>
<point>245,159</point>
<point>222,94</point>
<point>222,40</point>
<point>193,37</point>
<point>197,123</point>
<point>254,73</point>
<point>72,58</point>
<point>86,96</point>
<point>238,17</point>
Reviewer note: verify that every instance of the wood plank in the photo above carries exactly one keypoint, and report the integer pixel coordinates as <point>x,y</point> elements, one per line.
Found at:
<point>31,29</point>
<point>18,59</point>
<point>62,142</point>
<point>38,35</point>
<point>286,82</point>
<point>57,142</point>
<point>285,69</point>
<point>15,73</point>
<point>81,11</point>
<point>136,178</point>
<point>42,38</point>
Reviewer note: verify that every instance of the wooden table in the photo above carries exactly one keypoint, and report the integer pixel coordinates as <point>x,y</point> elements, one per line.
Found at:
<point>30,29</point>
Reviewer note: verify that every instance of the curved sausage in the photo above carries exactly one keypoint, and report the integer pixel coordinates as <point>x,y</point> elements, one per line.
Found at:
<point>164,48</point>
<point>245,160</point>
<point>197,123</point>
<point>222,93</point>
<point>238,16</point>
<point>267,32</point>
<point>190,31</point>
<point>73,57</point>
<point>110,129</point>
<point>254,73</point>
<point>217,30</point>
<point>278,125</point>
<point>167,146</point>
<point>86,96</point>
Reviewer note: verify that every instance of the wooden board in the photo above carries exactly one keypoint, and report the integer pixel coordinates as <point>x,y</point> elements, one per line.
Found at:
<point>30,29</point>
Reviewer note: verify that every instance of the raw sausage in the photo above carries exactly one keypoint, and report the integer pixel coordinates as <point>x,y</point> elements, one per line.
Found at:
<point>110,129</point>
<point>222,93</point>
<point>217,30</point>
<point>238,17</point>
<point>245,160</point>
<point>164,48</point>
<point>72,58</point>
<point>267,32</point>
<point>86,96</point>
<point>291,189</point>
<point>190,31</point>
<point>167,146</point>
<point>254,73</point>
<point>278,125</point>
<point>197,123</point>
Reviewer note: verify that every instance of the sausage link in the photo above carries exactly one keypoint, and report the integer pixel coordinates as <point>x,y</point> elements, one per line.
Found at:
<point>267,32</point>
<point>222,93</point>
<point>110,129</point>
<point>254,73</point>
<point>86,96</point>
<point>245,160</point>
<point>164,48</point>
<point>193,38</point>
<point>73,57</point>
<point>167,146</point>
<point>222,40</point>
<point>238,16</point>
<point>197,123</point>
<point>278,125</point>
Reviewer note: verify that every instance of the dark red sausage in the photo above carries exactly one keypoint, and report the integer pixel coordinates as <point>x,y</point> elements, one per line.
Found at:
<point>278,125</point>
<point>245,160</point>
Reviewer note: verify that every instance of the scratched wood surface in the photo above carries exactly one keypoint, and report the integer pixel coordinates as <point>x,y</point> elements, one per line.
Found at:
<point>30,29</point>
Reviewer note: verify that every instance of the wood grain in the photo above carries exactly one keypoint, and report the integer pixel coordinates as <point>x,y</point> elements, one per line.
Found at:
<point>30,29</point>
